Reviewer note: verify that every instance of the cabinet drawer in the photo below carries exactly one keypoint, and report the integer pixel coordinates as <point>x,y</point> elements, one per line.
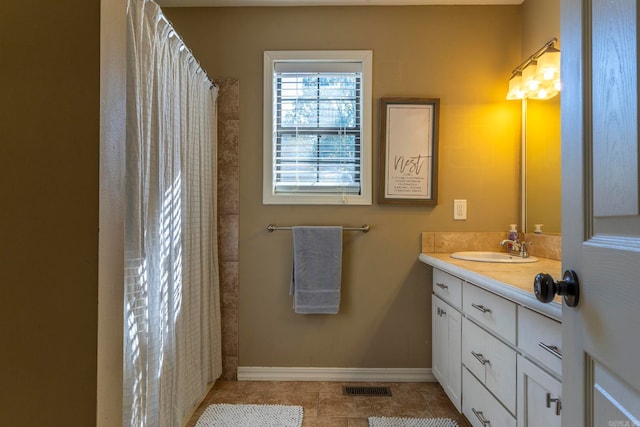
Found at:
<point>479,406</point>
<point>540,338</point>
<point>447,287</point>
<point>491,361</point>
<point>491,311</point>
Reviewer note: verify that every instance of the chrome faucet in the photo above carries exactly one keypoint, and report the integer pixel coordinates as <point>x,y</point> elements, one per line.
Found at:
<point>512,245</point>
<point>524,253</point>
<point>516,246</point>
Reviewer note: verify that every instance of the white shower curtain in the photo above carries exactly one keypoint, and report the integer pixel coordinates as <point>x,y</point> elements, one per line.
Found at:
<point>172,313</point>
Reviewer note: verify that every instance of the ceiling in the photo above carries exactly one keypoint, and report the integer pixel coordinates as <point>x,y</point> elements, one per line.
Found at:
<point>224,3</point>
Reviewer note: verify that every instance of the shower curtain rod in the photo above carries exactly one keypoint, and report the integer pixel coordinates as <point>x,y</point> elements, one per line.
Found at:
<point>365,228</point>
<point>172,33</point>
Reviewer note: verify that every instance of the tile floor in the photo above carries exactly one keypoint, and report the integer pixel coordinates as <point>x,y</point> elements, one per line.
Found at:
<point>325,406</point>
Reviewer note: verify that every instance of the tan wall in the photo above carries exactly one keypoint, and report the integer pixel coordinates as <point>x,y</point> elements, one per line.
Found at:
<point>540,23</point>
<point>462,55</point>
<point>49,145</point>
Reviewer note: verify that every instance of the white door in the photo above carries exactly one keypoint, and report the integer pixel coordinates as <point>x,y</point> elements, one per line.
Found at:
<point>600,209</point>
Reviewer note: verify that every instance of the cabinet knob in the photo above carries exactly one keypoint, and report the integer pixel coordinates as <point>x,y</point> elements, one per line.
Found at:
<point>546,288</point>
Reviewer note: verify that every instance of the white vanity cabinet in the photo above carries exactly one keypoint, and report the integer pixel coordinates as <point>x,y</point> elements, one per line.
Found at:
<point>506,356</point>
<point>446,331</point>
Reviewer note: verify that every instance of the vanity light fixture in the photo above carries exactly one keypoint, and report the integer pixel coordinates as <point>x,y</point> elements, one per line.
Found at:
<point>538,77</point>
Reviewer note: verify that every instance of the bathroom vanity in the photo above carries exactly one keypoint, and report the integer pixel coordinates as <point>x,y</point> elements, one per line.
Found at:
<point>497,351</point>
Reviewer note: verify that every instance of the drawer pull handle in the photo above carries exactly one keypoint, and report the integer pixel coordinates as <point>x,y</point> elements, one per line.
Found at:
<point>481,417</point>
<point>556,400</point>
<point>482,308</point>
<point>442,286</point>
<point>551,349</point>
<point>480,358</point>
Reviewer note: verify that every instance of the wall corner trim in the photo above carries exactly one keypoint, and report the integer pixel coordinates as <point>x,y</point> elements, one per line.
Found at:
<point>256,373</point>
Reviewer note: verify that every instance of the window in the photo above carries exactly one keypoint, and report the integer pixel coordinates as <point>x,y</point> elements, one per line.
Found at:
<point>317,127</point>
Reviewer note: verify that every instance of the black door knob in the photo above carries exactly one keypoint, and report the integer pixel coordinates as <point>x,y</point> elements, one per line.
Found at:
<point>546,288</point>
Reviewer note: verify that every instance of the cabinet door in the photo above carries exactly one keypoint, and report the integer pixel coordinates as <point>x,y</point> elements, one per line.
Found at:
<point>539,397</point>
<point>446,353</point>
<point>439,341</point>
<point>454,385</point>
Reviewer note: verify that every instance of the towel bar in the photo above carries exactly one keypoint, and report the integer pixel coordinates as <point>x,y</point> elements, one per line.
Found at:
<point>364,228</point>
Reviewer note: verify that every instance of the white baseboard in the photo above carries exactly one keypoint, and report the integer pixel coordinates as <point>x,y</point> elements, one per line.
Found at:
<point>253,373</point>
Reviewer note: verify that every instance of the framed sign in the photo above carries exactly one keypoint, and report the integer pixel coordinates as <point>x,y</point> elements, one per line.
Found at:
<point>408,151</point>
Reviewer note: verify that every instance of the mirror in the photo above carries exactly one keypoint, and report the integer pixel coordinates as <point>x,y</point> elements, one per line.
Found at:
<point>543,165</point>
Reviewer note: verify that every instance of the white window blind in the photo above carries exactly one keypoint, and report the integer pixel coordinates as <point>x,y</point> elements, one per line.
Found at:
<point>317,131</point>
<point>318,144</point>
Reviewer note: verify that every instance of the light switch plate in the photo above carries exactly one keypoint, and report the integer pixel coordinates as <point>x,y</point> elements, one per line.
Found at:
<point>459,209</point>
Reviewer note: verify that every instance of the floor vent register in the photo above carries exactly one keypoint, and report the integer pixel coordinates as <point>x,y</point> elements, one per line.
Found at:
<point>366,391</point>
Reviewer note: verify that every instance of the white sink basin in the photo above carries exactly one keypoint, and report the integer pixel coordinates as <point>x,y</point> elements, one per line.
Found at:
<point>492,257</point>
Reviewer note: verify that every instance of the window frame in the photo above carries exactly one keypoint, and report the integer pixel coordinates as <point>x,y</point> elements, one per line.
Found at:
<point>269,196</point>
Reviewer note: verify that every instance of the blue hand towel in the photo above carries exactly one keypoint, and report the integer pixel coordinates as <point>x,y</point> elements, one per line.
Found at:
<point>317,269</point>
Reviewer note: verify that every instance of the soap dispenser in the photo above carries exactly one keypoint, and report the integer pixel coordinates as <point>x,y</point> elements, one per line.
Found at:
<point>513,232</point>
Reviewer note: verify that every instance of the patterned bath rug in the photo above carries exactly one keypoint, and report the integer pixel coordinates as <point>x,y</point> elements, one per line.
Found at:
<point>227,415</point>
<point>411,422</point>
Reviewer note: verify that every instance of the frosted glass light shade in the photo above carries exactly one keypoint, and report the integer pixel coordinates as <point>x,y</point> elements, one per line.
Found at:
<point>543,93</point>
<point>516,91</point>
<point>530,76</point>
<point>548,67</point>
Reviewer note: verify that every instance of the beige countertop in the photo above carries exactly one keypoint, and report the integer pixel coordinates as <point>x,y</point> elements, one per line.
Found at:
<point>512,281</point>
